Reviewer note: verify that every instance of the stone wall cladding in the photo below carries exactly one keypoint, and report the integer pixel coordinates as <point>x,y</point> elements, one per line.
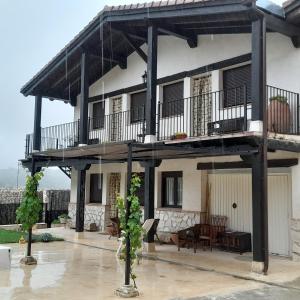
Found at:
<point>295,237</point>
<point>93,214</point>
<point>13,195</point>
<point>174,220</point>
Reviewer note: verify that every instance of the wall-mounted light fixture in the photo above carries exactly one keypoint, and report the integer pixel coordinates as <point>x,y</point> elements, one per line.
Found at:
<point>144,77</point>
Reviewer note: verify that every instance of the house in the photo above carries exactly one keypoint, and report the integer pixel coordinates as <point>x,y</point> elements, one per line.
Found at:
<point>224,74</point>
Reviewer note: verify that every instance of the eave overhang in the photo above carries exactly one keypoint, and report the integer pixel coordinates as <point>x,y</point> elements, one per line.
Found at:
<point>60,78</point>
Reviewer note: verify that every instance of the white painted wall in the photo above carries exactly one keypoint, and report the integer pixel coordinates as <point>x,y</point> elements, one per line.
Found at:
<point>283,61</point>
<point>296,191</point>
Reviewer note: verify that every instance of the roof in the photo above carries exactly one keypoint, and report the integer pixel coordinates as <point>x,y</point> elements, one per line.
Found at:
<point>66,64</point>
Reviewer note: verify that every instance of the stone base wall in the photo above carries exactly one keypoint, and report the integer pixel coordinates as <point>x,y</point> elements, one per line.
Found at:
<point>174,220</point>
<point>97,214</point>
<point>295,238</point>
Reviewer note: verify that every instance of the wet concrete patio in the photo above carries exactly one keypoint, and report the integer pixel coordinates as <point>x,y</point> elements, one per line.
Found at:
<point>87,268</point>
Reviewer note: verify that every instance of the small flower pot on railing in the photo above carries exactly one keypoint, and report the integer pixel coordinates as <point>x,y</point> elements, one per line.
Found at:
<point>279,115</point>
<point>179,136</point>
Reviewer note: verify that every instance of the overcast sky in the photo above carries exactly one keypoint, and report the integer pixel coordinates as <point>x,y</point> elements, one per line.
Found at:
<point>32,32</point>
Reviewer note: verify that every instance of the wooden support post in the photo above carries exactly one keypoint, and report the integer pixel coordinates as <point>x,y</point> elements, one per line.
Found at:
<point>84,99</point>
<point>37,124</point>
<point>80,204</point>
<point>151,85</point>
<point>127,206</point>
<point>259,160</point>
<point>149,209</point>
<point>149,199</point>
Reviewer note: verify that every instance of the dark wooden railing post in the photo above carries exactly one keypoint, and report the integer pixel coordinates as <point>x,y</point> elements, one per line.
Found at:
<point>84,94</point>
<point>151,84</point>
<point>37,124</point>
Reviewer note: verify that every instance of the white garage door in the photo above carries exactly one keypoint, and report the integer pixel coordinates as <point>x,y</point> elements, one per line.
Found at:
<point>227,189</point>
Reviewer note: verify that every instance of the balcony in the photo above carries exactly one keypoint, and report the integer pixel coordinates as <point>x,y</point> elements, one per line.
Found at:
<point>211,114</point>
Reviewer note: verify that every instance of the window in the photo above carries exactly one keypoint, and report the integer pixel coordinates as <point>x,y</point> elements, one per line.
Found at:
<point>96,184</point>
<point>234,81</point>
<point>98,115</point>
<point>137,107</point>
<point>172,186</point>
<point>172,99</point>
<point>141,191</point>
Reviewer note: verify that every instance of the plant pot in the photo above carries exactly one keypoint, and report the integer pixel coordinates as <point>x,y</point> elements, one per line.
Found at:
<point>63,220</point>
<point>279,117</point>
<point>180,137</point>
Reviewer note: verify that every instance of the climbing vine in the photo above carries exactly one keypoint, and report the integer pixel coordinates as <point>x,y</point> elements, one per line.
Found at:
<point>133,228</point>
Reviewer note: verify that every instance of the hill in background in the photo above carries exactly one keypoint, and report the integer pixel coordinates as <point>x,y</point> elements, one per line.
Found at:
<point>53,178</point>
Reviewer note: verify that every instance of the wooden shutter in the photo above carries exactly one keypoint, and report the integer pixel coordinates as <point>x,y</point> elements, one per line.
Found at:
<point>98,115</point>
<point>137,107</point>
<point>172,99</point>
<point>234,82</point>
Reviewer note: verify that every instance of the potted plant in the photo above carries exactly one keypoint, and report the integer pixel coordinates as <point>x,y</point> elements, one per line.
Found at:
<point>28,213</point>
<point>63,219</point>
<point>179,136</point>
<point>56,223</point>
<point>279,115</point>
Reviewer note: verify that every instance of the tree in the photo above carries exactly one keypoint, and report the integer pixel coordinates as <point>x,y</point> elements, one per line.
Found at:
<point>29,211</point>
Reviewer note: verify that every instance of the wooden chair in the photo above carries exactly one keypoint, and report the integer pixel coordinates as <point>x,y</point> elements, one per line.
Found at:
<point>210,235</point>
<point>184,237</point>
<point>114,229</point>
<point>154,228</point>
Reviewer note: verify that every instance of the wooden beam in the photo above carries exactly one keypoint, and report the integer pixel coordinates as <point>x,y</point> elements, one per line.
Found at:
<point>272,163</point>
<point>175,31</point>
<point>279,25</point>
<point>135,46</point>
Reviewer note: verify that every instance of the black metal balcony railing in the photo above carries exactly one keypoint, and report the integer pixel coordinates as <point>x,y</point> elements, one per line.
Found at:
<point>214,113</point>
<point>205,114</point>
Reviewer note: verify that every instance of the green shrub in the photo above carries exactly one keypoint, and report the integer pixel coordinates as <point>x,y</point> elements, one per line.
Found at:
<point>279,98</point>
<point>46,237</point>
<point>56,221</point>
<point>64,216</point>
